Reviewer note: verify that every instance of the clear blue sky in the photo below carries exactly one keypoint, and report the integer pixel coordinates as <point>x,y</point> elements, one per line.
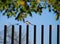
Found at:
<point>46,19</point>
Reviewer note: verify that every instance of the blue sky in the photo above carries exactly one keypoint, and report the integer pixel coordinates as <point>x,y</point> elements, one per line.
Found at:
<point>45,19</point>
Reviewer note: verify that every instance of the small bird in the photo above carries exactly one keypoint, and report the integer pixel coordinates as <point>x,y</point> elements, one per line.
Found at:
<point>28,23</point>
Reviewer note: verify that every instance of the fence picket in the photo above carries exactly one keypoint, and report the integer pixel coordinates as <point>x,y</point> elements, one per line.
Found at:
<point>27,34</point>
<point>34,34</point>
<point>5,32</point>
<point>42,34</point>
<point>20,31</point>
<point>50,34</point>
<point>12,38</point>
<point>57,34</point>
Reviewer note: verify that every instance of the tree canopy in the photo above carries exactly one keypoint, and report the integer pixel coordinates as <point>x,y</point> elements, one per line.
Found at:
<point>26,7</point>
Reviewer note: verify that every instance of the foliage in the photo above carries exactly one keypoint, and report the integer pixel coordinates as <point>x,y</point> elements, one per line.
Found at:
<point>56,5</point>
<point>26,7</point>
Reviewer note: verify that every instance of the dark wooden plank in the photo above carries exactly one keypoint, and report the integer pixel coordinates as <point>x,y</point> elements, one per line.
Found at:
<point>34,34</point>
<point>27,34</point>
<point>20,32</point>
<point>12,38</point>
<point>50,34</point>
<point>57,34</point>
<point>42,34</point>
<point>5,32</point>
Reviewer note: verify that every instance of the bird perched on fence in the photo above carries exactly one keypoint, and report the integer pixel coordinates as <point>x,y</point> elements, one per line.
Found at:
<point>28,23</point>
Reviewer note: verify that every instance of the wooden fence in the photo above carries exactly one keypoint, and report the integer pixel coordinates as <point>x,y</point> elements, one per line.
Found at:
<point>27,34</point>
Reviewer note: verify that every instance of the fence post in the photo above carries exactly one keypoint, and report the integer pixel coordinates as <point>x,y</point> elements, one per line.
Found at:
<point>20,31</point>
<point>27,34</point>
<point>12,38</point>
<point>42,34</point>
<point>57,34</point>
<point>5,32</point>
<point>34,34</point>
<point>50,34</point>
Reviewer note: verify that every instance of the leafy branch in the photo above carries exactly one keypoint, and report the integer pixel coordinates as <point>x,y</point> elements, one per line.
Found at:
<point>26,7</point>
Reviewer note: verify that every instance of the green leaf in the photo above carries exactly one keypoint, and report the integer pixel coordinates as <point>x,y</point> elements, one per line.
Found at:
<point>13,13</point>
<point>57,16</point>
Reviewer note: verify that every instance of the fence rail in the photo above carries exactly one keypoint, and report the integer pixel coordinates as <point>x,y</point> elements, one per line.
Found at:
<point>27,34</point>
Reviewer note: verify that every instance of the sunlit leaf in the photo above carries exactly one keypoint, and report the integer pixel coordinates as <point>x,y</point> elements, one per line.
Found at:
<point>57,16</point>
